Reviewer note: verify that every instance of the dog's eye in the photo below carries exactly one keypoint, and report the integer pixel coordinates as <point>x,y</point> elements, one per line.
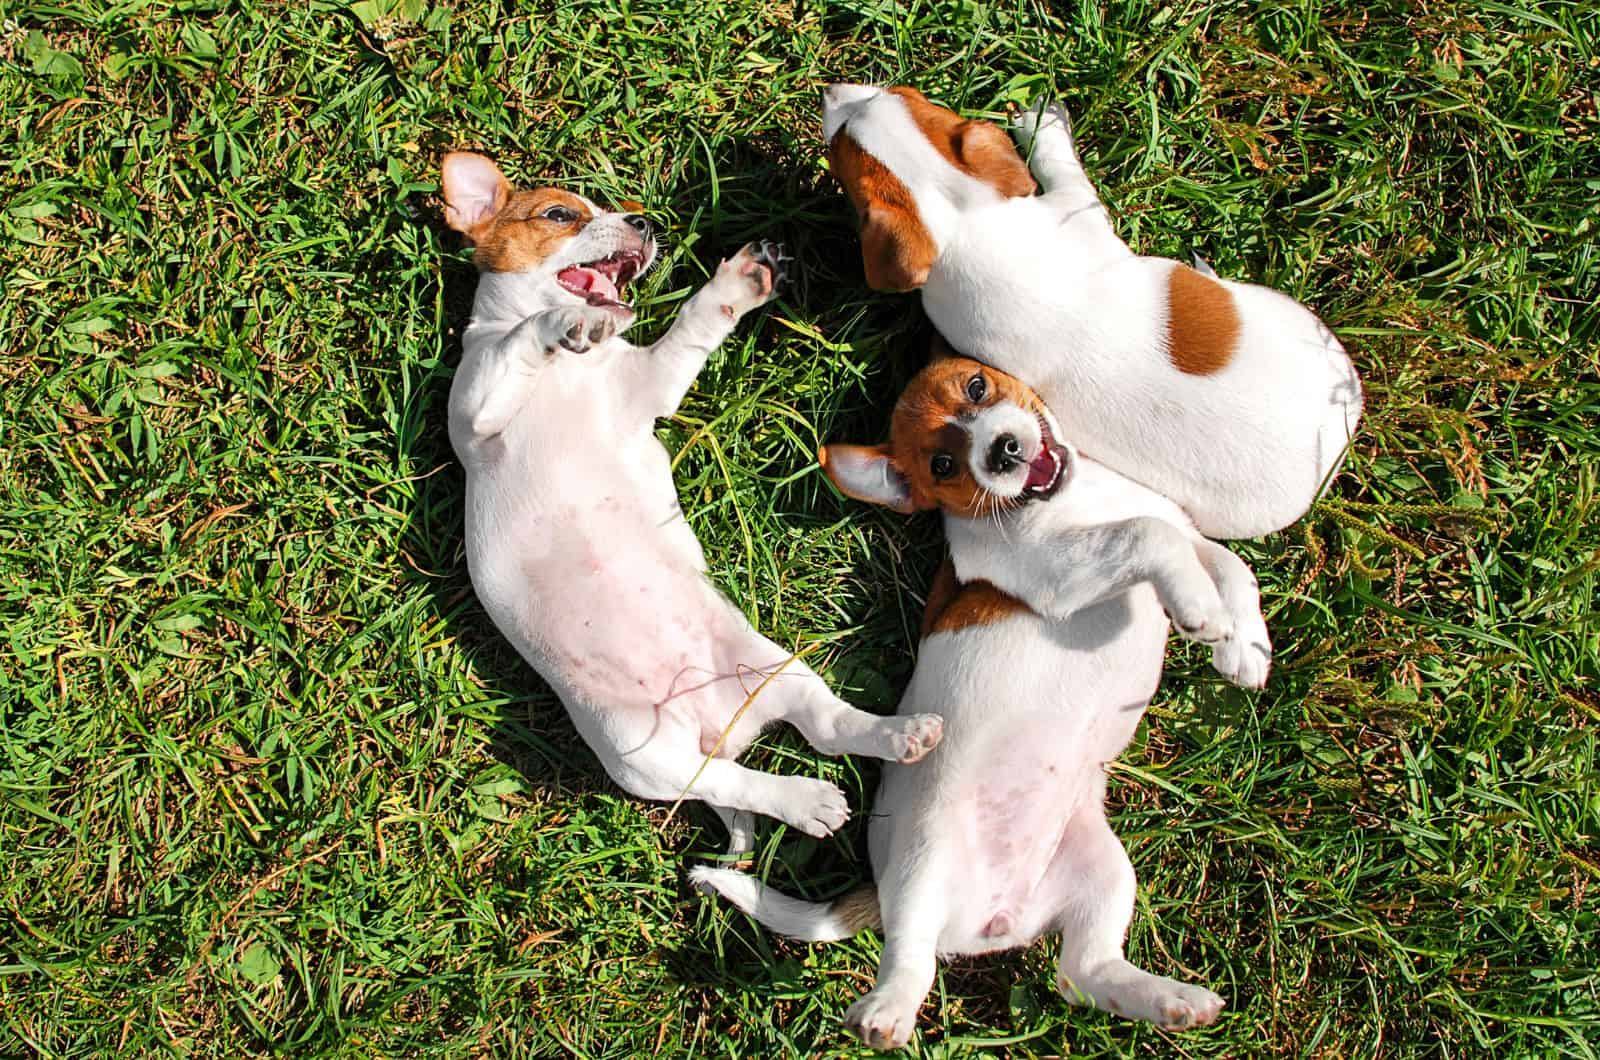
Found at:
<point>976,388</point>
<point>560,215</point>
<point>944,465</point>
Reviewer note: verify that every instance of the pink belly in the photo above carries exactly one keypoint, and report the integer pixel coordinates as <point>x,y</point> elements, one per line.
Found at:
<point>1034,778</point>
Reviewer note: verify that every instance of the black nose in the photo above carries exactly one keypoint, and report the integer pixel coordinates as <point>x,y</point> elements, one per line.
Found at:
<point>1004,454</point>
<point>639,223</point>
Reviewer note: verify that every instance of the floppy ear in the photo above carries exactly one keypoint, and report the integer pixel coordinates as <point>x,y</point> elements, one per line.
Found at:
<point>474,191</point>
<point>896,250</point>
<point>989,155</point>
<point>867,473</point>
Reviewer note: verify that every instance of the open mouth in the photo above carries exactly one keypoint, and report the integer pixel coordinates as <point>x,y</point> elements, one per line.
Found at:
<point>600,283</point>
<point>1048,470</point>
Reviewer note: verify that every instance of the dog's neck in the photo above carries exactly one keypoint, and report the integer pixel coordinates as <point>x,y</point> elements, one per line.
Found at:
<point>506,299</point>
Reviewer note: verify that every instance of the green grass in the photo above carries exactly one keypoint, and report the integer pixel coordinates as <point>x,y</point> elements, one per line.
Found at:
<point>271,783</point>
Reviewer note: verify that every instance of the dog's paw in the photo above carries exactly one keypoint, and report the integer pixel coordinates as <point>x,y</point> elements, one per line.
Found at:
<point>913,736</point>
<point>1044,118</point>
<point>1167,1003</point>
<point>751,278</point>
<point>1201,618</point>
<point>578,329</point>
<point>1245,659</point>
<point>881,1020</point>
<point>817,808</point>
<point>1176,1006</point>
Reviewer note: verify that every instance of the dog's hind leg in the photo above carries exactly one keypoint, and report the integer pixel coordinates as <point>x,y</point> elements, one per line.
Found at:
<point>914,906</point>
<point>1099,881</point>
<point>670,770</point>
<point>1044,134</point>
<point>834,727</point>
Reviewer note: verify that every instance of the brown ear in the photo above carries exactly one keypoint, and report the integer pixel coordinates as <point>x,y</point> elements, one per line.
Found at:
<point>474,192</point>
<point>867,473</point>
<point>896,250</point>
<point>988,154</point>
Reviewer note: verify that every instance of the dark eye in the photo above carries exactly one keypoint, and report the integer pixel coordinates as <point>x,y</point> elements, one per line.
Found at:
<point>976,388</point>
<point>560,215</point>
<point>944,465</point>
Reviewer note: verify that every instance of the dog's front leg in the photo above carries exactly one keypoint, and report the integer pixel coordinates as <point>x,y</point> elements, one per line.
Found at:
<point>1069,571</point>
<point>502,375</point>
<point>665,371</point>
<point>1246,658</point>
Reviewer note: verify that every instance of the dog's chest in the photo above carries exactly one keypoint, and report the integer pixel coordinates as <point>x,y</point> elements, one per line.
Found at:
<point>575,488</point>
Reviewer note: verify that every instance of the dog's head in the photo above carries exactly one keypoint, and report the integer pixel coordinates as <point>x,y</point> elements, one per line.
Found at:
<point>587,254</point>
<point>964,438</point>
<point>912,168</point>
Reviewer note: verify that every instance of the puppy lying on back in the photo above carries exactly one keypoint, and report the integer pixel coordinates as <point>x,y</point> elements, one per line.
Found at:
<point>1041,651</point>
<point>576,544</point>
<point>1231,399</point>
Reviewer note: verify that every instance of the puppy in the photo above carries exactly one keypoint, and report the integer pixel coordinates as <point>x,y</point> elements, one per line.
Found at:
<point>575,541</point>
<point>1231,399</point>
<point>1041,649</point>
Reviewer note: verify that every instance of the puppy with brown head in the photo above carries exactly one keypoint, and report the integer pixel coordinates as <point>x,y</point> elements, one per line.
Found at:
<point>1230,398</point>
<point>1043,645</point>
<point>575,542</point>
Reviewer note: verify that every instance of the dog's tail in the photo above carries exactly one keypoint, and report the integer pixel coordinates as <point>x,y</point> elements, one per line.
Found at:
<point>810,921</point>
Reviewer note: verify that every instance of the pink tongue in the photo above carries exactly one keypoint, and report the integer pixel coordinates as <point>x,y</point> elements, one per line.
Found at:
<point>591,280</point>
<point>1042,469</point>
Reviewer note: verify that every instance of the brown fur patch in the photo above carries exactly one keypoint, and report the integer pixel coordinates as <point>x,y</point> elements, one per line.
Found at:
<point>1202,322</point>
<point>977,148</point>
<point>517,238</point>
<point>896,249</point>
<point>953,606</point>
<point>858,909</point>
<point>921,429</point>
<point>941,592</point>
<point>978,604</point>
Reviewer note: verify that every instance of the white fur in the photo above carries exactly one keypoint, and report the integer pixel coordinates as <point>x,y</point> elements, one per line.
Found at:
<point>1042,288</point>
<point>999,836</point>
<point>581,556</point>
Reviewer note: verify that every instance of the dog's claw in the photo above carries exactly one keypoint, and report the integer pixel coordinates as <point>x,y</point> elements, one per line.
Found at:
<point>583,327</point>
<point>773,256</point>
<point>752,277</point>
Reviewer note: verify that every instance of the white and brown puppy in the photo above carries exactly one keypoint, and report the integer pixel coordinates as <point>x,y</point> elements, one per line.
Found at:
<point>575,541</point>
<point>1229,398</point>
<point>1041,651</point>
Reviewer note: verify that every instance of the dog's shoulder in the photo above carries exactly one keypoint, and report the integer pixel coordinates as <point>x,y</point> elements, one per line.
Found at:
<point>954,605</point>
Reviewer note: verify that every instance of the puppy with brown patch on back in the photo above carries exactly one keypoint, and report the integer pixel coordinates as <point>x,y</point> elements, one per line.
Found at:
<point>1042,647</point>
<point>575,541</point>
<point>1230,398</point>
